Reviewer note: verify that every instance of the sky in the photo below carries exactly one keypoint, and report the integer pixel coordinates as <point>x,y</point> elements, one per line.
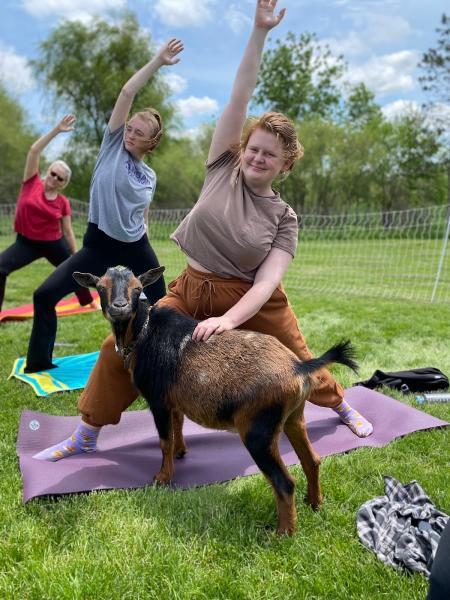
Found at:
<point>381,40</point>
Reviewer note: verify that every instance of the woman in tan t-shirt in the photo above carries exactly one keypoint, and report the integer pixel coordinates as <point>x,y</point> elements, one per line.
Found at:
<point>239,240</point>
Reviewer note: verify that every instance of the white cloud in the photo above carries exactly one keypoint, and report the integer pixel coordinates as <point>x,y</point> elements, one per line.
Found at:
<point>193,133</point>
<point>184,13</point>
<point>191,106</point>
<point>176,83</point>
<point>71,9</point>
<point>352,45</point>
<point>401,108</point>
<point>236,19</point>
<point>380,28</point>
<point>371,30</point>
<point>15,73</point>
<point>386,74</point>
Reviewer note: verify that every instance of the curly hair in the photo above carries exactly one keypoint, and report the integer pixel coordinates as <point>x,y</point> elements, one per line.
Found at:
<point>282,127</point>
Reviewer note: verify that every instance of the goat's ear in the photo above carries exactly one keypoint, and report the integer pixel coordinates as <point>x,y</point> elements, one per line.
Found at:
<point>85,279</point>
<point>151,276</point>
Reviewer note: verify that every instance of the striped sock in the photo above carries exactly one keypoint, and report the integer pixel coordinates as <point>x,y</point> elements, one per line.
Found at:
<point>351,417</point>
<point>83,439</point>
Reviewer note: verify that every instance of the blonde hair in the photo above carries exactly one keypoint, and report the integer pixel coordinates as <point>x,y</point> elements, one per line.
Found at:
<point>65,166</point>
<point>152,118</point>
<point>282,127</point>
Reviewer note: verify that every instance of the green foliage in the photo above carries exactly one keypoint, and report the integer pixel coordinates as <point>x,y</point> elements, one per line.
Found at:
<point>435,65</point>
<point>360,107</point>
<point>376,166</point>
<point>180,170</point>
<point>435,81</point>
<point>299,78</point>
<point>16,138</point>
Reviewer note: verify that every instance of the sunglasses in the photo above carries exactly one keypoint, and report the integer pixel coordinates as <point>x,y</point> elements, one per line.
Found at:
<point>58,177</point>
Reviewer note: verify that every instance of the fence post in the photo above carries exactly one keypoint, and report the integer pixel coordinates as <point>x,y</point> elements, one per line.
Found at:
<point>441,259</point>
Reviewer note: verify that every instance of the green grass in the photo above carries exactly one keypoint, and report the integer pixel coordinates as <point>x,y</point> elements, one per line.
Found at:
<point>218,542</point>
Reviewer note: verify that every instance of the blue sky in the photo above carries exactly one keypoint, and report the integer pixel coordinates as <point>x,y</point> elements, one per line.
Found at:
<point>381,40</point>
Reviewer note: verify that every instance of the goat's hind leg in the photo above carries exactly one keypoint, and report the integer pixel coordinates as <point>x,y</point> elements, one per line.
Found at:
<point>295,430</point>
<point>260,437</point>
<point>180,448</point>
<point>164,424</point>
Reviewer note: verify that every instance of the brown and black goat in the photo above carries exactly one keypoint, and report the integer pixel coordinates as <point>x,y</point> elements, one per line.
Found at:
<point>238,381</point>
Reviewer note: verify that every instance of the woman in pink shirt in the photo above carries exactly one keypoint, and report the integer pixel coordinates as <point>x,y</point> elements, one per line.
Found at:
<point>43,215</point>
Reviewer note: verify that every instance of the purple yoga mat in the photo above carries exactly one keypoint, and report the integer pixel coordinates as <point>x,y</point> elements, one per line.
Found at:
<point>128,454</point>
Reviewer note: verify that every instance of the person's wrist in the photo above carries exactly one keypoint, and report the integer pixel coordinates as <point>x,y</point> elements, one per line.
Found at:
<point>158,61</point>
<point>231,322</point>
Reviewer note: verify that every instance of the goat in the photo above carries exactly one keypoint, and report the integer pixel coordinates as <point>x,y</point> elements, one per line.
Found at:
<point>238,381</point>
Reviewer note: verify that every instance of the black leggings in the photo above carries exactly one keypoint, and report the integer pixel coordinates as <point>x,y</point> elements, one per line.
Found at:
<point>440,572</point>
<point>25,251</point>
<point>99,252</point>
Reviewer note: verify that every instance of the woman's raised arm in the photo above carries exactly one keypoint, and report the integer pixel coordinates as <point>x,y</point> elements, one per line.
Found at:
<point>34,153</point>
<point>166,55</point>
<point>229,126</point>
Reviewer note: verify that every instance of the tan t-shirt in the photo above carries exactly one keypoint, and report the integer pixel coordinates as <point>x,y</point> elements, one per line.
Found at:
<point>230,230</point>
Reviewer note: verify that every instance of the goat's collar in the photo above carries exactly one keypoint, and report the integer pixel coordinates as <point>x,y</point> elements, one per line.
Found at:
<point>126,352</point>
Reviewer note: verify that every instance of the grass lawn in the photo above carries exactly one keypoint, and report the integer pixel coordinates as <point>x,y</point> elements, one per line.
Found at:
<point>218,542</point>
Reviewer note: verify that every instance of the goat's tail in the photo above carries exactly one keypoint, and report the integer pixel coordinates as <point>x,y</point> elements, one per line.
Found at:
<point>342,353</point>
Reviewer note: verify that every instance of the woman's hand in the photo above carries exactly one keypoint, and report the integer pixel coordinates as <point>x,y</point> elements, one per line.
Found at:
<point>66,123</point>
<point>167,53</point>
<point>207,328</point>
<point>265,17</point>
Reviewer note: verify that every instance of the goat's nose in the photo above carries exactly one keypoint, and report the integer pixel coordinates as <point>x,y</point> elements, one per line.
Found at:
<point>119,303</point>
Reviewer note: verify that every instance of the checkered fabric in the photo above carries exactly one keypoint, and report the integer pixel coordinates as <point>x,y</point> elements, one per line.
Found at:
<point>403,527</point>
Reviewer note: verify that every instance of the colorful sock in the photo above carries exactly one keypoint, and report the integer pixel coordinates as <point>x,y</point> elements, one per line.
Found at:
<point>351,417</point>
<point>83,439</point>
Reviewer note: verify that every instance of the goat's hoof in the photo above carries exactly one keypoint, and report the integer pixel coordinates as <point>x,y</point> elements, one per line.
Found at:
<point>181,452</point>
<point>314,502</point>
<point>287,530</point>
<point>161,480</point>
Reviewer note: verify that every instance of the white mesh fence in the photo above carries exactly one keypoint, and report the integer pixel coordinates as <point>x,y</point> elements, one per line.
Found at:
<point>398,254</point>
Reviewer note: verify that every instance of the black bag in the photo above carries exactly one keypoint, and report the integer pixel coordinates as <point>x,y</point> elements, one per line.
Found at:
<point>415,380</point>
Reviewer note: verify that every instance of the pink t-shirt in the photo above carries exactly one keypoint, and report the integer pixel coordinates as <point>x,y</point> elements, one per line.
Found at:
<point>230,230</point>
<point>38,218</point>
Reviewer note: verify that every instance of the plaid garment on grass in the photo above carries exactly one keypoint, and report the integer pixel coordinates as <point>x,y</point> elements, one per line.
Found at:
<point>403,527</point>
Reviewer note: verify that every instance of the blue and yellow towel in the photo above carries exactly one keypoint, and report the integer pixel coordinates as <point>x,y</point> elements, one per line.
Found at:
<point>72,374</point>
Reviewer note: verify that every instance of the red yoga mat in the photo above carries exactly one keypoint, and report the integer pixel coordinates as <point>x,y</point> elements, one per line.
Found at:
<point>64,308</point>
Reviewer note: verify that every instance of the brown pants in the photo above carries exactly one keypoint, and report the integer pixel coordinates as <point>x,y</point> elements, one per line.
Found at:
<point>110,391</point>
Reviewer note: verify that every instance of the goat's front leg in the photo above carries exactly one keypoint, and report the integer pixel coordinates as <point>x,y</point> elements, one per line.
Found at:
<point>164,424</point>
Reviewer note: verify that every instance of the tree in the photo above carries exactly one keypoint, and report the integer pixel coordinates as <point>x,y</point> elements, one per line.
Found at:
<point>16,138</point>
<point>299,78</point>
<point>360,107</point>
<point>378,166</point>
<point>435,81</point>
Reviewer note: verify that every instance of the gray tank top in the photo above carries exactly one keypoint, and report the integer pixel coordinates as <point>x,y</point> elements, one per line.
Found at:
<point>121,188</point>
